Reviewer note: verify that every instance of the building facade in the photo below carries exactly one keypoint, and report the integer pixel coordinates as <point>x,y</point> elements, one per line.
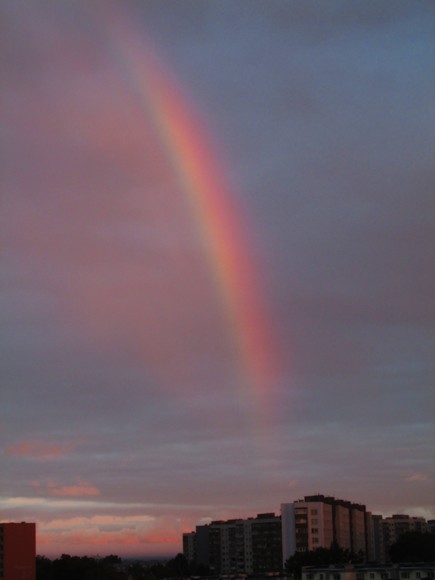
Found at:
<point>318,521</point>
<point>189,550</point>
<point>265,538</point>
<point>417,571</point>
<point>238,546</point>
<point>17,551</point>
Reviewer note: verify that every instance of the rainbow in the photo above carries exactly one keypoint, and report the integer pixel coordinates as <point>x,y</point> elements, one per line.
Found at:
<point>221,226</point>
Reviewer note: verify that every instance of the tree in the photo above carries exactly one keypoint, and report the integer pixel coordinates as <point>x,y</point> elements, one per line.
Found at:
<point>320,557</point>
<point>414,547</point>
<point>79,568</point>
<point>178,566</point>
<point>44,568</point>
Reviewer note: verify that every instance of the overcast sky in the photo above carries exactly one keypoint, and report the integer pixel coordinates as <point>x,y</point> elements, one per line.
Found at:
<point>126,416</point>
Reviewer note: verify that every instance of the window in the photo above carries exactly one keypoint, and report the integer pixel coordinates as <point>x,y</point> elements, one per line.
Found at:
<point>404,575</point>
<point>315,540</point>
<point>314,530</point>
<point>360,576</point>
<point>313,512</point>
<point>418,575</point>
<point>315,521</point>
<point>336,576</point>
<point>372,576</point>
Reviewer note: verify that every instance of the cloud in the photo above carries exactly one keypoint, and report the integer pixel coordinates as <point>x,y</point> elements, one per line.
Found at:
<point>416,477</point>
<point>39,450</point>
<point>80,489</point>
<point>103,521</point>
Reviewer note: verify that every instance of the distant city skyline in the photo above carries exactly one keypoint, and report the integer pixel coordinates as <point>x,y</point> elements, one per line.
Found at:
<point>217,263</point>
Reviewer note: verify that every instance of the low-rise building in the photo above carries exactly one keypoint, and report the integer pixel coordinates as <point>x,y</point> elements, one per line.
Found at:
<point>418,571</point>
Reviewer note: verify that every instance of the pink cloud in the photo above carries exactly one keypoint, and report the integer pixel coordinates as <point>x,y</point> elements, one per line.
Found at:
<point>96,538</point>
<point>416,477</point>
<point>39,450</point>
<point>79,489</point>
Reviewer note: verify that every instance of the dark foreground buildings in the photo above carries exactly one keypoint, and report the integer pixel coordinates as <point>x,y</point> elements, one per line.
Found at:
<point>17,551</point>
<point>263,544</point>
<point>251,546</point>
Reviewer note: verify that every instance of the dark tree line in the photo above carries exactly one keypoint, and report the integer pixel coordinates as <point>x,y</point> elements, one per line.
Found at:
<point>178,567</point>
<point>79,568</point>
<point>111,568</point>
<point>414,547</point>
<point>410,547</point>
<point>321,557</point>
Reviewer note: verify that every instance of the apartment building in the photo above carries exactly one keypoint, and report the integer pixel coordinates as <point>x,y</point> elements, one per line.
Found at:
<point>237,546</point>
<point>189,550</point>
<point>17,551</point>
<point>265,537</point>
<point>318,521</point>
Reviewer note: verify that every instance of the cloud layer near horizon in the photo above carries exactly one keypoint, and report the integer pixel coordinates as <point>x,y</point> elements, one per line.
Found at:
<point>123,417</point>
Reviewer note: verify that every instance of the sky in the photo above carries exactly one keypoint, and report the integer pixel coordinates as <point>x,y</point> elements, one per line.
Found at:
<point>216,274</point>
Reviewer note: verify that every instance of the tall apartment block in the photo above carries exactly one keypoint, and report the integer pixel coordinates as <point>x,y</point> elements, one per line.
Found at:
<point>318,521</point>
<point>17,551</point>
<point>251,546</point>
<point>189,546</point>
<point>375,544</point>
